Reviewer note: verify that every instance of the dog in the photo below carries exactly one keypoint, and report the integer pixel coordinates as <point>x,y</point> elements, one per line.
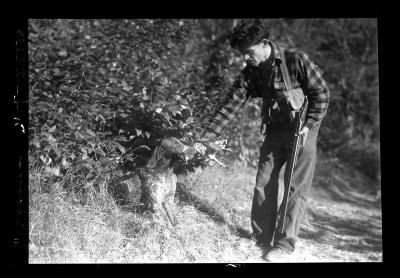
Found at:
<point>158,181</point>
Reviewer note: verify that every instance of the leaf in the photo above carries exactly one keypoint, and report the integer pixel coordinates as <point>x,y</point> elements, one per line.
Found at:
<point>72,156</point>
<point>100,152</point>
<point>166,116</point>
<point>125,86</point>
<point>147,134</point>
<point>63,53</point>
<point>121,148</point>
<point>159,73</point>
<point>51,138</point>
<point>159,110</point>
<point>174,109</point>
<point>48,170</point>
<point>36,144</point>
<point>52,129</point>
<point>83,150</point>
<point>43,158</point>
<point>119,173</point>
<point>64,162</point>
<point>138,131</point>
<point>68,124</point>
<point>102,118</point>
<point>131,137</point>
<point>57,151</point>
<point>90,132</point>
<point>121,138</point>
<point>57,72</point>
<point>85,156</point>
<point>56,171</point>
<point>183,101</point>
<point>146,147</point>
<point>78,135</point>
<point>124,115</point>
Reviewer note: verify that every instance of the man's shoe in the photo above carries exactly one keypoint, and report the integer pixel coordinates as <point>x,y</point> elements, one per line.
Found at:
<point>259,242</point>
<point>278,254</point>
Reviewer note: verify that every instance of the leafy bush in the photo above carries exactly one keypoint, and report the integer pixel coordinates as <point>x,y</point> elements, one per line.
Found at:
<point>103,92</point>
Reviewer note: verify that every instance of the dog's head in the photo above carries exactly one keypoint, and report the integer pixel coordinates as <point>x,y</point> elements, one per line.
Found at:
<point>168,148</point>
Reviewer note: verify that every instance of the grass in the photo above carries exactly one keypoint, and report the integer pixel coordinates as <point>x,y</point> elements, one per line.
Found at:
<point>213,213</point>
<point>64,229</point>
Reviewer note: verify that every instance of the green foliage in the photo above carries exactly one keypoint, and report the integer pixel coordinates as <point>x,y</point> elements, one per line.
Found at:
<point>103,92</point>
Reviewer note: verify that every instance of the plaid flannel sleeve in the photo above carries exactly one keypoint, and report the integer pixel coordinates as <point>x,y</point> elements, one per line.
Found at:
<point>227,111</point>
<point>315,88</point>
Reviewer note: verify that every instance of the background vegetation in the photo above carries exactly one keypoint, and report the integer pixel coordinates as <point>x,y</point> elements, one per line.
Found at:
<point>103,92</point>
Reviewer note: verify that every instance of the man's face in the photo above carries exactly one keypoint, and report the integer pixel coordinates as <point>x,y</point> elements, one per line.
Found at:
<point>256,53</point>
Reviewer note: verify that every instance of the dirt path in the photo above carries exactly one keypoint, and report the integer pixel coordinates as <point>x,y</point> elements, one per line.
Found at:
<point>347,229</point>
<point>343,222</point>
<point>342,226</point>
<point>334,232</point>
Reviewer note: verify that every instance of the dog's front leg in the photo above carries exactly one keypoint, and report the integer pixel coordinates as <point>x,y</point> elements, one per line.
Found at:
<point>168,207</point>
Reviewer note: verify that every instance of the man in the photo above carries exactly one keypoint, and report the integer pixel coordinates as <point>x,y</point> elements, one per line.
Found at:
<point>262,77</point>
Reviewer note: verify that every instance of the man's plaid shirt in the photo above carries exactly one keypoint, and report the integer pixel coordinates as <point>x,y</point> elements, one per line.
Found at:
<point>254,82</point>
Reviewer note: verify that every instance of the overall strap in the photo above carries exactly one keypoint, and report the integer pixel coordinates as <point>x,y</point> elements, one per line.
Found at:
<point>284,71</point>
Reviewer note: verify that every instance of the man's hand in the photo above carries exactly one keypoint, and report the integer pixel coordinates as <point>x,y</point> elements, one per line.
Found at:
<point>304,131</point>
<point>200,148</point>
<point>214,146</point>
<point>303,135</point>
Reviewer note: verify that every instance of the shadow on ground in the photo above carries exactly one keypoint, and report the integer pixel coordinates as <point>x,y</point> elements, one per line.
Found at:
<point>185,196</point>
<point>354,235</point>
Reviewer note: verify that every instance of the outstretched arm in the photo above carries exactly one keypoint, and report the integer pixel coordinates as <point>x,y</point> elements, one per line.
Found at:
<point>231,106</point>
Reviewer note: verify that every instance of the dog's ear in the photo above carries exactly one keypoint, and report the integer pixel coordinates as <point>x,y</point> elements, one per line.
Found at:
<point>189,152</point>
<point>156,156</point>
<point>172,146</point>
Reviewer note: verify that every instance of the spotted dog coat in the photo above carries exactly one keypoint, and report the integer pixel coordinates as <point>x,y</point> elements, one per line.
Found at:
<point>158,182</point>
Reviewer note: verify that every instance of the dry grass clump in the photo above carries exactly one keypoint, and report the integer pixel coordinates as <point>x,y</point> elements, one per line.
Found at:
<point>88,226</point>
<point>62,230</point>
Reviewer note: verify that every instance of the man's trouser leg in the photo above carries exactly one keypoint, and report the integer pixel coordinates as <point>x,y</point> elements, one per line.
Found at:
<point>265,200</point>
<point>299,191</point>
<point>273,155</point>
